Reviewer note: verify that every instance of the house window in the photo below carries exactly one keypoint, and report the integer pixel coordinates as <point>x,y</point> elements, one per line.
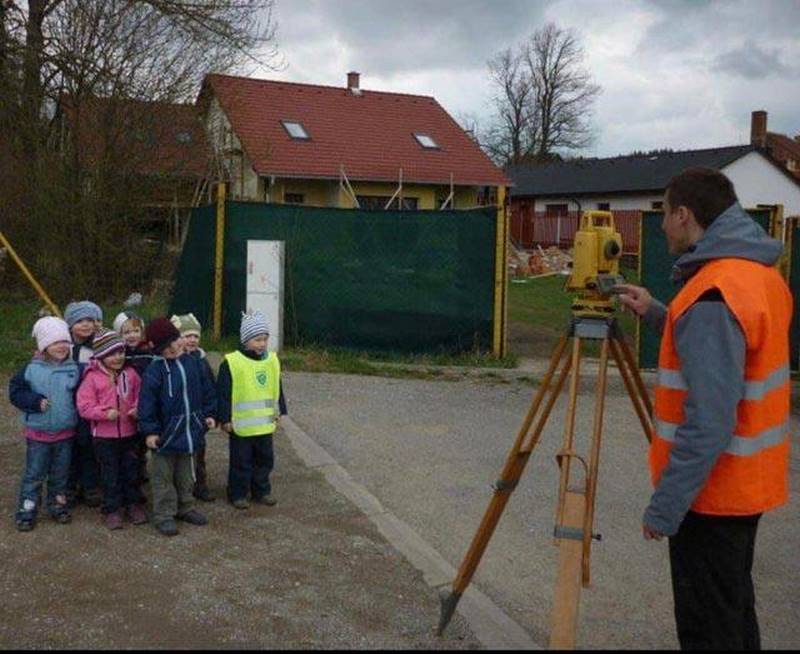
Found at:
<point>657,205</point>
<point>295,129</point>
<point>426,141</point>
<point>604,206</point>
<point>294,198</point>
<point>378,203</point>
<point>556,209</point>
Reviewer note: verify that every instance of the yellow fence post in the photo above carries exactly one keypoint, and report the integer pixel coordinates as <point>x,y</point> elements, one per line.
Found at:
<point>36,286</point>
<point>499,336</point>
<point>219,260</point>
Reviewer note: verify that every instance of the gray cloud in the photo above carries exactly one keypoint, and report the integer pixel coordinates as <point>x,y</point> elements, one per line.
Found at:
<point>752,62</point>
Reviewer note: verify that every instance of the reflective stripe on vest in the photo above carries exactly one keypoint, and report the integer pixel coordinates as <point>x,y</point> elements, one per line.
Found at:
<point>255,389</point>
<point>751,476</point>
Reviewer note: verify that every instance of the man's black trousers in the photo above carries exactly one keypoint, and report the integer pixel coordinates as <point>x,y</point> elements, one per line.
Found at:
<point>711,558</point>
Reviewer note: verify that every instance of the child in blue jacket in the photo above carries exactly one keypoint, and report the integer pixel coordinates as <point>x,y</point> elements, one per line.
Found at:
<point>177,405</point>
<point>44,391</point>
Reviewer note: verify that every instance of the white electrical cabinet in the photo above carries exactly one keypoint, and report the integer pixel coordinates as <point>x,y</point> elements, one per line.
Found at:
<point>265,270</point>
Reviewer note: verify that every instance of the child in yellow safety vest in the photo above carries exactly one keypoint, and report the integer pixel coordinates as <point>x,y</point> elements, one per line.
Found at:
<point>250,405</point>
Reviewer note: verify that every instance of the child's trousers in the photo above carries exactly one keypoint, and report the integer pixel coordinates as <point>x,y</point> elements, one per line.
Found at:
<point>44,462</point>
<point>171,482</point>
<point>251,461</point>
<point>119,471</point>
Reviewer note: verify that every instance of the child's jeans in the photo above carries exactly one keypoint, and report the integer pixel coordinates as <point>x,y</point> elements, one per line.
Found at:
<point>119,472</point>
<point>44,462</point>
<point>250,464</point>
<point>171,482</point>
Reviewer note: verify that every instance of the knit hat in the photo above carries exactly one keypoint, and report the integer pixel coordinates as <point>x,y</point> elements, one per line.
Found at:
<point>123,317</point>
<point>161,332</point>
<point>49,330</point>
<point>107,342</point>
<point>186,324</point>
<point>77,311</point>
<point>253,324</point>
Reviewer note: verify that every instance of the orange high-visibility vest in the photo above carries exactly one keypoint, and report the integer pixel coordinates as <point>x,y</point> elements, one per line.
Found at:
<point>751,476</point>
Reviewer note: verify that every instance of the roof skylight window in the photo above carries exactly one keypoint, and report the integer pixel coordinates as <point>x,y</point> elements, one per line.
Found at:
<point>295,129</point>
<point>426,141</point>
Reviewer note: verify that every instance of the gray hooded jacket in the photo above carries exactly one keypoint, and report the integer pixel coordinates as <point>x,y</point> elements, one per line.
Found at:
<point>711,346</point>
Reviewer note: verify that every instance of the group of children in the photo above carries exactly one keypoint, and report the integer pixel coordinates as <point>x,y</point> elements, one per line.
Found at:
<point>94,401</point>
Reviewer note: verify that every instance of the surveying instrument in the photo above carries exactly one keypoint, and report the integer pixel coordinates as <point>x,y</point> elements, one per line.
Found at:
<point>595,274</point>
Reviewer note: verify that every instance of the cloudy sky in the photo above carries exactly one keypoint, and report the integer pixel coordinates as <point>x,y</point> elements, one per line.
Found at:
<point>674,73</point>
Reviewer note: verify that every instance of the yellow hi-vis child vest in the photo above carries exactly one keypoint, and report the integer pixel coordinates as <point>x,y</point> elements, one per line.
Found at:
<point>255,392</point>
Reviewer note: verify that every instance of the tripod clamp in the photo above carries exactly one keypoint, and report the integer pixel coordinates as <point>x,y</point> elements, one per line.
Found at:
<point>573,533</point>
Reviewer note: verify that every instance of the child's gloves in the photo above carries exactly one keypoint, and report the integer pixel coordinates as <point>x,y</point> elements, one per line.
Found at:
<point>211,423</point>
<point>152,441</point>
<point>112,414</point>
<point>226,427</point>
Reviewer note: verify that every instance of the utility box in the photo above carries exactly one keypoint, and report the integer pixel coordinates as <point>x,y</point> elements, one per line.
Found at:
<point>265,272</point>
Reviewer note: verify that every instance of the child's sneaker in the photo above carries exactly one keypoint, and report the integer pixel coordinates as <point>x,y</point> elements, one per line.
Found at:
<point>167,528</point>
<point>136,514</point>
<point>93,498</point>
<point>202,493</point>
<point>62,517</point>
<point>241,503</point>
<point>267,500</point>
<point>193,517</point>
<point>114,520</point>
<point>25,525</point>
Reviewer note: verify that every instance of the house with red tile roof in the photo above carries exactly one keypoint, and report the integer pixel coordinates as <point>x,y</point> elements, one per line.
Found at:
<point>783,149</point>
<point>343,146</point>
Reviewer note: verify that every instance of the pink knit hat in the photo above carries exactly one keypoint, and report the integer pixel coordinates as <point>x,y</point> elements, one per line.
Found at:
<point>49,330</point>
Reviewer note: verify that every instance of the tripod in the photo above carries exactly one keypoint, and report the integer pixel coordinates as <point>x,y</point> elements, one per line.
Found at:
<point>575,508</point>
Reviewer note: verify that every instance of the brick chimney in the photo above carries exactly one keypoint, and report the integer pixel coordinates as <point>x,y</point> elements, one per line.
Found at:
<point>352,82</point>
<point>758,129</point>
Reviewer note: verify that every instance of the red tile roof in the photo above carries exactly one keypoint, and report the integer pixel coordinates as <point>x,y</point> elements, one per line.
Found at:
<point>782,148</point>
<point>370,135</point>
<point>151,138</point>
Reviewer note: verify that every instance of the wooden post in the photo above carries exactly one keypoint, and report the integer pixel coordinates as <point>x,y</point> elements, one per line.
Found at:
<point>499,335</point>
<point>29,276</point>
<point>219,260</point>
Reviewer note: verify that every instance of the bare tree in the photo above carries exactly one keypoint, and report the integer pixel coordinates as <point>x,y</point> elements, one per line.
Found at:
<point>543,98</point>
<point>74,205</point>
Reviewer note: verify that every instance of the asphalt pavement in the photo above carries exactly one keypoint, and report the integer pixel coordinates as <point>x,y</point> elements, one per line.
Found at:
<point>429,451</point>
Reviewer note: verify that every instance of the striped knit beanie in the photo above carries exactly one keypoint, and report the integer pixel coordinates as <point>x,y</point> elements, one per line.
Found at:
<point>107,342</point>
<point>253,324</point>
<point>77,311</point>
<point>186,324</point>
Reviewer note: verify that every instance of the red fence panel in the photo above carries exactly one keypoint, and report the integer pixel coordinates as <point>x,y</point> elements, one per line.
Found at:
<point>529,229</point>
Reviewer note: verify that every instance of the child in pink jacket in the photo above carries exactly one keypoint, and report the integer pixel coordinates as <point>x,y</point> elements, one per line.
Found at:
<point>107,398</point>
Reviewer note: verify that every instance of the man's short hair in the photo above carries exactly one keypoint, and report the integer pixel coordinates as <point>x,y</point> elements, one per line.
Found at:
<point>707,192</point>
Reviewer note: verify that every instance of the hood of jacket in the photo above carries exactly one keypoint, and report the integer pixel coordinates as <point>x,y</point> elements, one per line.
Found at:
<point>732,235</point>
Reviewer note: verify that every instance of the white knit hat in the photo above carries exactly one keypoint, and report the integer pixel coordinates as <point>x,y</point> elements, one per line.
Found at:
<point>253,324</point>
<point>49,330</point>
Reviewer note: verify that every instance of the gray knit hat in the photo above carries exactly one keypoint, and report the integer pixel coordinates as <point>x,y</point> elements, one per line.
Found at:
<point>77,311</point>
<point>253,324</point>
<point>186,324</point>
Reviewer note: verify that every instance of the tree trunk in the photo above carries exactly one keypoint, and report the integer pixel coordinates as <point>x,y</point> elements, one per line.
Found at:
<point>32,92</point>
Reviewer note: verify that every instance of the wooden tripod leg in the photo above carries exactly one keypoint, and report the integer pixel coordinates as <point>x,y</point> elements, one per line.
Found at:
<point>594,461</point>
<point>634,373</point>
<point>634,393</point>
<point>569,428</point>
<point>512,471</point>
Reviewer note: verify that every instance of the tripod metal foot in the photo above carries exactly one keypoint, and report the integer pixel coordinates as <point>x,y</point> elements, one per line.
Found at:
<point>448,601</point>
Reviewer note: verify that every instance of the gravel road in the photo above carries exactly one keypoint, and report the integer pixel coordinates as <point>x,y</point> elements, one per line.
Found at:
<point>430,449</point>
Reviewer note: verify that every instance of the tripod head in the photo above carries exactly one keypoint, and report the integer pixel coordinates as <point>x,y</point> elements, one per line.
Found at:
<point>595,268</point>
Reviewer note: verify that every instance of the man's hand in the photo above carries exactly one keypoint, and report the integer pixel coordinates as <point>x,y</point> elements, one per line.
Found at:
<point>44,404</point>
<point>636,298</point>
<point>152,441</point>
<point>112,414</point>
<point>211,423</point>
<point>651,534</point>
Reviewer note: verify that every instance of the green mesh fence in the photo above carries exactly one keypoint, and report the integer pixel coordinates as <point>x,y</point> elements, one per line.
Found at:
<point>655,264</point>
<point>391,280</point>
<point>794,284</point>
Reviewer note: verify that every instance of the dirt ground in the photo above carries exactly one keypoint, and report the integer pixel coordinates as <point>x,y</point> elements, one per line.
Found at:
<point>311,572</point>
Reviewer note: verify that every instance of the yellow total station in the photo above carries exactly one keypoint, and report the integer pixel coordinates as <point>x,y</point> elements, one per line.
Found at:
<point>595,267</point>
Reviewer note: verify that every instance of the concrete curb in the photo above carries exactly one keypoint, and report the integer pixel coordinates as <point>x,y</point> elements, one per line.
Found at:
<point>491,625</point>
